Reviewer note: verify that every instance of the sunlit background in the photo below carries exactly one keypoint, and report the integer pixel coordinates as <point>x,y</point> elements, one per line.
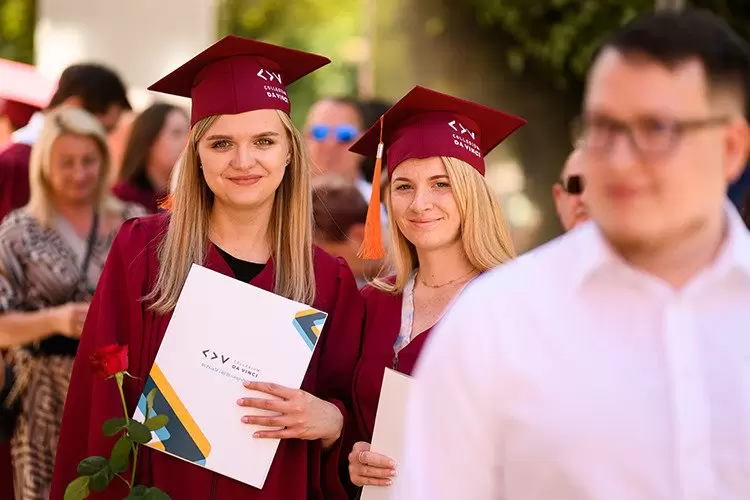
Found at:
<point>526,57</point>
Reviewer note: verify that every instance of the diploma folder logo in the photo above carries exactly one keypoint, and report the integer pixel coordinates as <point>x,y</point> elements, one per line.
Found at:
<point>308,323</point>
<point>181,437</point>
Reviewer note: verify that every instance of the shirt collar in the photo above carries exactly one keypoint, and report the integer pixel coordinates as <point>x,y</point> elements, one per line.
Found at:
<point>593,254</point>
<point>29,133</point>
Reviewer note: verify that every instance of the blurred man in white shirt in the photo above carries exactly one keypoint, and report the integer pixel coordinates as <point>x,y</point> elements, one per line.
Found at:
<point>614,362</point>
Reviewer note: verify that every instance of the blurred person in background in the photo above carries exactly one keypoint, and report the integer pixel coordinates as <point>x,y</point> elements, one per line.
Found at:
<point>568,192</point>
<point>117,140</point>
<point>340,213</point>
<point>93,87</point>
<point>333,124</point>
<point>613,362</point>
<point>157,138</point>
<point>52,252</point>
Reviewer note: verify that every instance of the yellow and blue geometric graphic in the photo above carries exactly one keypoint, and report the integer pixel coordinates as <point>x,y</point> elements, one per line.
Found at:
<point>309,323</point>
<point>181,436</point>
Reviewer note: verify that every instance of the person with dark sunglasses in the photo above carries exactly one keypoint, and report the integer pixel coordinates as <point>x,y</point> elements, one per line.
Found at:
<point>332,126</point>
<point>568,192</point>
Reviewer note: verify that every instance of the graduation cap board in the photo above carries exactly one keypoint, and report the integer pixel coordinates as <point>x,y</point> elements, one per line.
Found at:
<point>237,74</point>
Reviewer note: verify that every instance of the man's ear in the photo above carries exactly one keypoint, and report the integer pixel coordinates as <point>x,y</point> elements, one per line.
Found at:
<point>557,191</point>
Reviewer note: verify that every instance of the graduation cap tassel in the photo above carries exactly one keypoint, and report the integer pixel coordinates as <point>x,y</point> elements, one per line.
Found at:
<point>372,245</point>
<point>165,203</point>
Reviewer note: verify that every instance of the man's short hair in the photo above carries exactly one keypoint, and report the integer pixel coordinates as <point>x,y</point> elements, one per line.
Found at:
<point>675,37</point>
<point>97,86</point>
<point>337,206</point>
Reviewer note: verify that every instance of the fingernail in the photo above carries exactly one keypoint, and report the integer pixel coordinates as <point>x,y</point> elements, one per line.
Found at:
<point>246,420</point>
<point>392,463</point>
<point>240,401</point>
<point>388,482</point>
<point>394,473</point>
<point>256,435</point>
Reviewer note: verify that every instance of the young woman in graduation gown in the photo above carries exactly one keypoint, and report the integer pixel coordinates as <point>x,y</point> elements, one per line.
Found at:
<point>242,207</point>
<point>446,228</point>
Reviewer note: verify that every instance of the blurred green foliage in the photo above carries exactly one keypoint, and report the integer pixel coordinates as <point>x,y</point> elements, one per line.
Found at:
<point>327,27</point>
<point>559,36</point>
<point>17,22</point>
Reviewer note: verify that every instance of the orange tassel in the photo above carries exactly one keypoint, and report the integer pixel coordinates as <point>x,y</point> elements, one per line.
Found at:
<point>372,245</point>
<point>165,203</point>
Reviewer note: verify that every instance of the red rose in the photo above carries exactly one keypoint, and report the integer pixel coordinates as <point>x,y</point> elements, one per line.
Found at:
<point>110,359</point>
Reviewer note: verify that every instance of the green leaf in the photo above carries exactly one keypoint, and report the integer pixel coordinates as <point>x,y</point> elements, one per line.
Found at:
<point>137,493</point>
<point>78,489</point>
<point>150,401</point>
<point>113,426</point>
<point>101,479</point>
<point>91,465</point>
<point>156,422</point>
<point>155,494</point>
<point>120,456</point>
<point>139,432</point>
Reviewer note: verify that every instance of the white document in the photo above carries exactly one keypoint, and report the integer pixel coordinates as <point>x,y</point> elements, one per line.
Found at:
<point>224,332</point>
<point>388,434</point>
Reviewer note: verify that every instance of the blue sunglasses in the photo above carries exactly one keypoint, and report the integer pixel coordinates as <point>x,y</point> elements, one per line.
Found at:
<point>343,133</point>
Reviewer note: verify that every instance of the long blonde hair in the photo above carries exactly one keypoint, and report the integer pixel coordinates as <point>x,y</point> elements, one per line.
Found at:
<point>67,121</point>
<point>484,231</point>
<point>186,239</point>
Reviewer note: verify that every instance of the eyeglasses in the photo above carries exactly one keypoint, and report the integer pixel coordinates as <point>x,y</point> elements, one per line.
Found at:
<point>650,137</point>
<point>342,133</point>
<point>573,184</point>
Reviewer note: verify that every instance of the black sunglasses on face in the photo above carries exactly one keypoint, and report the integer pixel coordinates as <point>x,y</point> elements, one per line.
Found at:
<point>573,184</point>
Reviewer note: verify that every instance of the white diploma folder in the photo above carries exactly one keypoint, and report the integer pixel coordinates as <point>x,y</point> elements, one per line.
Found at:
<point>388,434</point>
<point>224,332</point>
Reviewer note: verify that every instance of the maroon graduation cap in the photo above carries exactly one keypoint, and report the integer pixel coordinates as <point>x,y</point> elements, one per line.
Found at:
<point>18,113</point>
<point>423,124</point>
<point>236,75</point>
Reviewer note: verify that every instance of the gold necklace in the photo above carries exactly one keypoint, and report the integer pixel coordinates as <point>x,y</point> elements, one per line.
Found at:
<point>447,282</point>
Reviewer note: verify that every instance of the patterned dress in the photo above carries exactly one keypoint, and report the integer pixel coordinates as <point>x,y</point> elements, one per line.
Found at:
<point>41,268</point>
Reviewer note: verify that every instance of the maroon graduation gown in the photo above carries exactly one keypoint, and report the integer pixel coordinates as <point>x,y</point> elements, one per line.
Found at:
<point>301,469</point>
<point>131,192</point>
<point>6,472</point>
<point>382,325</point>
<point>14,177</point>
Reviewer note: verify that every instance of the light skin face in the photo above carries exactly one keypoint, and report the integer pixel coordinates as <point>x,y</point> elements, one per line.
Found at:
<point>168,145</point>
<point>329,155</point>
<point>244,158</point>
<point>423,205</point>
<point>75,165</point>
<point>570,207</point>
<point>644,202</point>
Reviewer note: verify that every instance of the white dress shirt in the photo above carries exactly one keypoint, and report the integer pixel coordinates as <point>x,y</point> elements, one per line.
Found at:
<point>569,375</point>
